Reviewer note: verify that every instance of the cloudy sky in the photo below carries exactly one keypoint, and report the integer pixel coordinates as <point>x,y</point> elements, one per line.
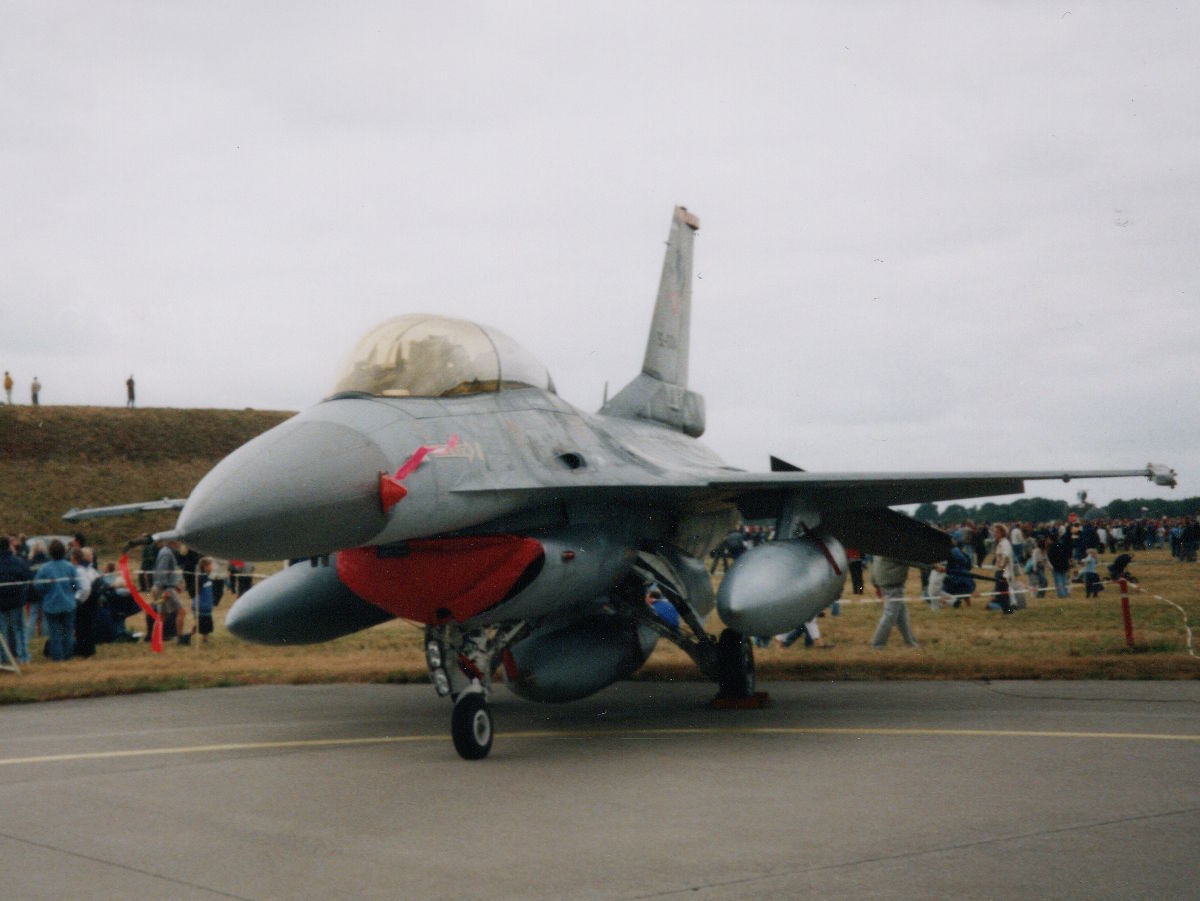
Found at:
<point>934,235</point>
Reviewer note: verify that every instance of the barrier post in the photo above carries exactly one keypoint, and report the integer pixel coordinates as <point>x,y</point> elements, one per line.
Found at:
<point>6,652</point>
<point>1125,614</point>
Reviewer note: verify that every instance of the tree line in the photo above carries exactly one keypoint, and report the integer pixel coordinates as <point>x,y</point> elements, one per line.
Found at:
<point>1040,509</point>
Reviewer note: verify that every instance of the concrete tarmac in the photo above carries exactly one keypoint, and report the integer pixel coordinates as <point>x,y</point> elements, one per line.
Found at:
<point>863,790</point>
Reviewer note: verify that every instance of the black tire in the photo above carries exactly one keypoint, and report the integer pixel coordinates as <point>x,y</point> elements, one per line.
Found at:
<point>735,665</point>
<point>471,726</point>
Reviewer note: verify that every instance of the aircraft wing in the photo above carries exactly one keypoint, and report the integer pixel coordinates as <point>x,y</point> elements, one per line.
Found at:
<point>859,490</point>
<point>166,503</point>
<point>853,506</point>
<point>758,495</point>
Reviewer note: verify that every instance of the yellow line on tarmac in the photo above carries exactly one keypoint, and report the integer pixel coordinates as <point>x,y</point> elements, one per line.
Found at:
<point>598,733</point>
<point>208,749</point>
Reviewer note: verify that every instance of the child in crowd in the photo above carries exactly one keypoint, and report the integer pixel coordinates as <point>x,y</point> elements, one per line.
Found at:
<point>202,606</point>
<point>1091,579</point>
<point>935,592</point>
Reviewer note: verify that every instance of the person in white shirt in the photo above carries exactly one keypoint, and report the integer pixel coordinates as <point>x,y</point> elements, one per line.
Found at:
<point>1005,569</point>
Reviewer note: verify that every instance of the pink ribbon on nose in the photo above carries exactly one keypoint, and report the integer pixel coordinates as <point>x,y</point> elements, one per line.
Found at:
<point>391,492</point>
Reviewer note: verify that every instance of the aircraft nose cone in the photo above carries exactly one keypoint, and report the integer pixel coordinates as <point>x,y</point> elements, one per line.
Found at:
<point>308,486</point>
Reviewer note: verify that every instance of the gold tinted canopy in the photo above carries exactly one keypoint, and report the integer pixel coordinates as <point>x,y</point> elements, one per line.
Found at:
<point>421,355</point>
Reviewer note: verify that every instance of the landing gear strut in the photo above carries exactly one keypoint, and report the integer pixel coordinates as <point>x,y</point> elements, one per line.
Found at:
<point>461,666</point>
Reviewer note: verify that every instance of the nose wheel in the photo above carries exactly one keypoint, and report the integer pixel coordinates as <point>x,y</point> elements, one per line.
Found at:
<point>471,726</point>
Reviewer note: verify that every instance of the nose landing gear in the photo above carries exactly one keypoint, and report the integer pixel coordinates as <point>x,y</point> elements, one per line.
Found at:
<point>461,667</point>
<point>471,726</point>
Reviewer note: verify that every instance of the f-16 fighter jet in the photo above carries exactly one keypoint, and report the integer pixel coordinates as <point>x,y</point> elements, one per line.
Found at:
<point>444,481</point>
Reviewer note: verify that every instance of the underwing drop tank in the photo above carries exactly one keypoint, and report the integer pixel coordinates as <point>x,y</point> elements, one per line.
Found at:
<point>779,585</point>
<point>556,664</point>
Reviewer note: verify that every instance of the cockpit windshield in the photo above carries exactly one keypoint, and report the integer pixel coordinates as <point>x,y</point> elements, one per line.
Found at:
<point>434,356</point>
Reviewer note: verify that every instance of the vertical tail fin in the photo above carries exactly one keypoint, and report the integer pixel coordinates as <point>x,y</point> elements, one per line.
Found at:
<point>660,392</point>
<point>667,346</point>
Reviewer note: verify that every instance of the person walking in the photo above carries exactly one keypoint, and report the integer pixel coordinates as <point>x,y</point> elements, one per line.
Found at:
<point>8,386</point>
<point>854,562</point>
<point>889,577</point>
<point>34,389</point>
<point>129,392</point>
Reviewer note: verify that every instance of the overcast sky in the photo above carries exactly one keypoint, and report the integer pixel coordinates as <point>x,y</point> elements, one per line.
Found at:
<point>933,235</point>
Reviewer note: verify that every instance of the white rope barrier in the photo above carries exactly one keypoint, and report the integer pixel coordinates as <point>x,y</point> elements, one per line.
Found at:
<point>1015,588</point>
<point>1031,590</point>
<point>1187,628</point>
<point>139,572</point>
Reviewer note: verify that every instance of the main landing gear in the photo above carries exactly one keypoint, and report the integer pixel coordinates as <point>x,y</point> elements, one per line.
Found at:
<point>735,666</point>
<point>461,667</point>
<point>728,659</point>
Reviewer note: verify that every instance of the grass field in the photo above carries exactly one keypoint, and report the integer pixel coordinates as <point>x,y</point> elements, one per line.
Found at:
<point>1072,638</point>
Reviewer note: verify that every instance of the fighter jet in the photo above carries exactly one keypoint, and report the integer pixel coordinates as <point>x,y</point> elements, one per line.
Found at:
<point>443,480</point>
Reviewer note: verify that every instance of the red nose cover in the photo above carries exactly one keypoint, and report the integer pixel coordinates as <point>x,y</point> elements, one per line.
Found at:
<point>440,579</point>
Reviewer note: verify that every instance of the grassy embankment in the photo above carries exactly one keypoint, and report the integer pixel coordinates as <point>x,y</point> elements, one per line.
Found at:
<point>58,457</point>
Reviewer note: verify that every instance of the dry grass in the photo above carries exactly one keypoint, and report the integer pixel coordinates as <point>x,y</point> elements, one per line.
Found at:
<point>56,458</point>
<point>1062,639</point>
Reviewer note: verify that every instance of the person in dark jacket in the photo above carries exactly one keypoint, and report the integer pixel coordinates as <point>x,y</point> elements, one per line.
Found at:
<point>15,576</point>
<point>1117,570</point>
<point>959,583</point>
<point>1059,554</point>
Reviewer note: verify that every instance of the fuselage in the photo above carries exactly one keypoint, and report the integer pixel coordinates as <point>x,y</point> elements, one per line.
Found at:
<point>311,486</point>
<point>515,505</point>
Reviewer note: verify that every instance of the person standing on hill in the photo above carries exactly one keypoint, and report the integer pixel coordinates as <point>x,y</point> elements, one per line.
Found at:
<point>8,386</point>
<point>34,389</point>
<point>129,392</point>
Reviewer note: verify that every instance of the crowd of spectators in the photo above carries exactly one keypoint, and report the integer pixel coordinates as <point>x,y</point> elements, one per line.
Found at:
<point>54,590</point>
<point>1013,562</point>
<point>1181,534</point>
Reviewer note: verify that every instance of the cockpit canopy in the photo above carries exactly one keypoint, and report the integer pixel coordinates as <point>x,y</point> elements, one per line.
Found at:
<point>422,355</point>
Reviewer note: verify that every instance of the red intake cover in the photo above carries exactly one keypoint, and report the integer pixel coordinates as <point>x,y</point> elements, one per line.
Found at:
<point>440,579</point>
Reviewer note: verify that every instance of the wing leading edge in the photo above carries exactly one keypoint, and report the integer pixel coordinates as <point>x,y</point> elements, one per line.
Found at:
<point>166,503</point>
<point>758,495</point>
<point>858,490</point>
